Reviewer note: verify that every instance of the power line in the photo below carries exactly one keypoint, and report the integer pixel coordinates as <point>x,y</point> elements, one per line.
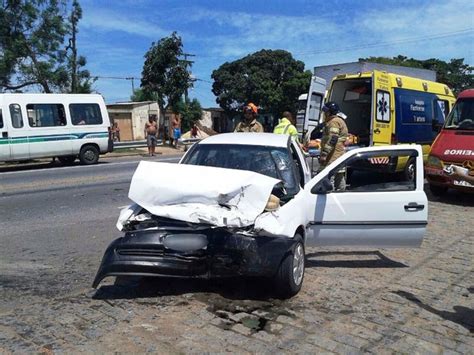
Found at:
<point>131,78</point>
<point>367,45</point>
<point>382,44</point>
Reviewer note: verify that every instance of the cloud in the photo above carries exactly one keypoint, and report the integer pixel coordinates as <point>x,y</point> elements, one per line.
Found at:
<point>110,22</point>
<point>251,32</point>
<point>429,19</point>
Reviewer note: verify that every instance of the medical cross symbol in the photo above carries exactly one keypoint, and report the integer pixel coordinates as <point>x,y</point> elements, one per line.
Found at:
<point>383,105</point>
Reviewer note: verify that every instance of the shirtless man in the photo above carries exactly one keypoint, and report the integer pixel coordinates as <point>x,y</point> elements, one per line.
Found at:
<point>151,129</point>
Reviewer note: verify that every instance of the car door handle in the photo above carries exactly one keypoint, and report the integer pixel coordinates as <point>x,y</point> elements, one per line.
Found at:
<point>413,206</point>
<point>4,134</point>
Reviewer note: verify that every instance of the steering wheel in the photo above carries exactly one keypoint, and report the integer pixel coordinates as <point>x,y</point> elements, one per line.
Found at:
<point>467,123</point>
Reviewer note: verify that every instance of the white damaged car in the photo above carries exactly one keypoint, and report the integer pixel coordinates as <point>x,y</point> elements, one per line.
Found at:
<point>245,204</point>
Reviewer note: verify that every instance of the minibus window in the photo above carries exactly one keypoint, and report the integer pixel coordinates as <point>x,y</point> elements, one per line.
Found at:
<point>46,115</point>
<point>16,117</point>
<point>85,114</point>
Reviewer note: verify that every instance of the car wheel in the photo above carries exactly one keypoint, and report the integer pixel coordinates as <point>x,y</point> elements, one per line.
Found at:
<point>67,160</point>
<point>438,190</point>
<point>410,170</point>
<point>289,277</point>
<point>89,155</point>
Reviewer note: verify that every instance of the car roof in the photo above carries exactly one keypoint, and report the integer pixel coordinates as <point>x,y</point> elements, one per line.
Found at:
<point>262,139</point>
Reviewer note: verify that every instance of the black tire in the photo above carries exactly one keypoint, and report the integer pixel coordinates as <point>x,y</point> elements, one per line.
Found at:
<point>410,170</point>
<point>89,155</point>
<point>438,190</point>
<point>67,160</point>
<point>288,282</point>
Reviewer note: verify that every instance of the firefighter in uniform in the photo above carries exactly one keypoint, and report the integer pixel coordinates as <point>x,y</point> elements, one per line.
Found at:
<point>335,133</point>
<point>250,123</point>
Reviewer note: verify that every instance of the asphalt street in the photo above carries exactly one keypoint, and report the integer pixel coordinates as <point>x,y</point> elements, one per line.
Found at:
<point>54,215</point>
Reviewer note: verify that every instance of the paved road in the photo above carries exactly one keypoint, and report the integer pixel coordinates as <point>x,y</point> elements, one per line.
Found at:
<point>55,226</point>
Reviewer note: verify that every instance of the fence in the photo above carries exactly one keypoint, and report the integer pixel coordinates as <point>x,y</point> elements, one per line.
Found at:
<point>142,143</point>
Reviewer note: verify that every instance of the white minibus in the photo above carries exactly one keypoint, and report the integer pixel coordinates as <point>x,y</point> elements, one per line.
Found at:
<point>66,126</point>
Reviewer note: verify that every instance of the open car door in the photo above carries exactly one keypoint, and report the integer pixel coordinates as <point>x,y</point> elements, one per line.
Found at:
<point>376,208</point>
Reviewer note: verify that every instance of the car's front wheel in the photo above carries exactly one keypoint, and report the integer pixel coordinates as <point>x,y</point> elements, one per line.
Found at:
<point>289,277</point>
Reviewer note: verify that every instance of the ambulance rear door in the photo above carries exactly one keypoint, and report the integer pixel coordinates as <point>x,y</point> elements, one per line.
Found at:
<point>382,109</point>
<point>315,100</point>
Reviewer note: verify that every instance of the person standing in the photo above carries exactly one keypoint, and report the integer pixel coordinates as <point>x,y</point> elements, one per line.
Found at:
<point>194,131</point>
<point>286,125</point>
<point>151,130</point>
<point>335,133</point>
<point>116,132</point>
<point>250,123</point>
<point>175,133</point>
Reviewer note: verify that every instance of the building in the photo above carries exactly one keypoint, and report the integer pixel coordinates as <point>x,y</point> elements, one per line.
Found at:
<point>215,118</point>
<point>131,118</point>
<point>328,72</point>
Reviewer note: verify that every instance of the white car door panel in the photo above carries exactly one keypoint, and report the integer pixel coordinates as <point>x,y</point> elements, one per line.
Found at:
<point>371,215</point>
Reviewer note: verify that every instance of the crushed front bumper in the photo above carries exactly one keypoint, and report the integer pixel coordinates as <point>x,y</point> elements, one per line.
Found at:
<point>438,177</point>
<point>204,254</point>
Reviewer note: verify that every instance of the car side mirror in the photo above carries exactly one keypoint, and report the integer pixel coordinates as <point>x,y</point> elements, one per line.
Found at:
<point>279,190</point>
<point>322,187</point>
<point>436,126</point>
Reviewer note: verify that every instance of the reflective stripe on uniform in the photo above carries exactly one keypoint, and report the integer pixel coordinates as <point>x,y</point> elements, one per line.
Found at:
<point>286,128</point>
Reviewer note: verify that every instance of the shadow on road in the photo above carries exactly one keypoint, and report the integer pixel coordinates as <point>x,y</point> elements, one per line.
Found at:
<point>462,315</point>
<point>145,287</point>
<point>452,197</point>
<point>38,165</point>
<point>323,259</point>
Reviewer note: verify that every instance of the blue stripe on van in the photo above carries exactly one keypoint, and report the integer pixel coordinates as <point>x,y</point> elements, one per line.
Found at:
<point>53,137</point>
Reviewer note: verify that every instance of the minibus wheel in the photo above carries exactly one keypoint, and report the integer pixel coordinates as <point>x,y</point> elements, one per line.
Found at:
<point>89,155</point>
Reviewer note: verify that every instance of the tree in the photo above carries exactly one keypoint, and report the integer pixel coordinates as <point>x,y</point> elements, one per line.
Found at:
<point>80,79</point>
<point>140,95</point>
<point>272,79</point>
<point>190,111</point>
<point>31,38</point>
<point>456,74</point>
<point>165,75</point>
<point>32,47</point>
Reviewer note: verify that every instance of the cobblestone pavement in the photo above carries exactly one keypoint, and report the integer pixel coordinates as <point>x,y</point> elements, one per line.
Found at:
<point>376,302</point>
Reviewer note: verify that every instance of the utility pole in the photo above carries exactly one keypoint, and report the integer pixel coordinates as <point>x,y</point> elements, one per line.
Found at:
<point>131,78</point>
<point>76,15</point>
<point>187,63</point>
<point>133,83</point>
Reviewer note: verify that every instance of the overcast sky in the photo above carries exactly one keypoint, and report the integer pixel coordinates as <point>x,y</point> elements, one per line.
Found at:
<point>115,35</point>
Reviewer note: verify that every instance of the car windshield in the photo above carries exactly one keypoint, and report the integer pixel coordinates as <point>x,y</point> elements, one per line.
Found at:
<point>462,115</point>
<point>270,161</point>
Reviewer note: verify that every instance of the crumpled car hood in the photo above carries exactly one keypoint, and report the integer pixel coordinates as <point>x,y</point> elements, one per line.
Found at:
<point>199,194</point>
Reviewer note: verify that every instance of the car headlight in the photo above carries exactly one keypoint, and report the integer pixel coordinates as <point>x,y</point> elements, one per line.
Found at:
<point>434,162</point>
